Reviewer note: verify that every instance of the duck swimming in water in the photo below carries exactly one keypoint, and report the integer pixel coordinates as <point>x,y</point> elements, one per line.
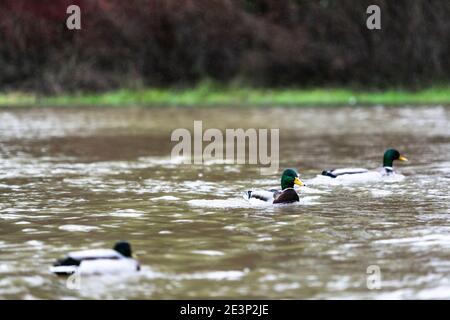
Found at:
<point>287,194</point>
<point>95,261</point>
<point>388,159</point>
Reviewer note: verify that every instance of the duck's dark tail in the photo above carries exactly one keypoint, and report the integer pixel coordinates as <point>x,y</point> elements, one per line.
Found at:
<point>67,261</point>
<point>328,173</point>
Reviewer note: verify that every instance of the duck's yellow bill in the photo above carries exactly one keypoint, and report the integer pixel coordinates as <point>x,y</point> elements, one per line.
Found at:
<point>298,182</point>
<point>402,158</point>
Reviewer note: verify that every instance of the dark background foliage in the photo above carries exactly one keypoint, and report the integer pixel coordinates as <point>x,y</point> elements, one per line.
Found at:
<point>256,42</point>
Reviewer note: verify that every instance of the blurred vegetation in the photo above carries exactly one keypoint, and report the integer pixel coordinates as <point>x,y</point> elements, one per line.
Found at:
<point>212,94</point>
<point>252,43</point>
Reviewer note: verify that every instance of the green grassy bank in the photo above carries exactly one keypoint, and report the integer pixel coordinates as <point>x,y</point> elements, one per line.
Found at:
<point>207,95</point>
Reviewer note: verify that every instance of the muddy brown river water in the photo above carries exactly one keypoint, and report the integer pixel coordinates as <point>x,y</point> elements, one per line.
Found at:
<point>81,178</point>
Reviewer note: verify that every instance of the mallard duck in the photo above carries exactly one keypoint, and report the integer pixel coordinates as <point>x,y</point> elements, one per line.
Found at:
<point>388,159</point>
<point>98,261</point>
<point>287,194</point>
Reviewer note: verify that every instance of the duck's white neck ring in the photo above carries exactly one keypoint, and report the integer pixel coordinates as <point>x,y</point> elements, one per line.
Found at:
<point>389,169</point>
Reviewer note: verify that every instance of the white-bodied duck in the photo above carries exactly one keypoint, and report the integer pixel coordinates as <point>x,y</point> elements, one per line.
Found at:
<point>287,194</point>
<point>98,261</point>
<point>361,174</point>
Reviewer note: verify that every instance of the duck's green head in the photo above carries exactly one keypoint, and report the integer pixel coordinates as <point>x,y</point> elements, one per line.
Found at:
<point>123,248</point>
<point>289,178</point>
<point>390,155</point>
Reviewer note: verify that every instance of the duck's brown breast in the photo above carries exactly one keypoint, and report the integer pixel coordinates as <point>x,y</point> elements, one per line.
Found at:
<point>287,196</point>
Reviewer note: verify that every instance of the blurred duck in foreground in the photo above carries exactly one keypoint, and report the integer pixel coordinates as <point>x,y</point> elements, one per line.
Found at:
<point>388,160</point>
<point>287,194</point>
<point>97,261</point>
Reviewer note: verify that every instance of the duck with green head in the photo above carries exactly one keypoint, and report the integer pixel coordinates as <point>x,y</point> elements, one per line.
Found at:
<point>287,194</point>
<point>389,157</point>
<point>98,261</point>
